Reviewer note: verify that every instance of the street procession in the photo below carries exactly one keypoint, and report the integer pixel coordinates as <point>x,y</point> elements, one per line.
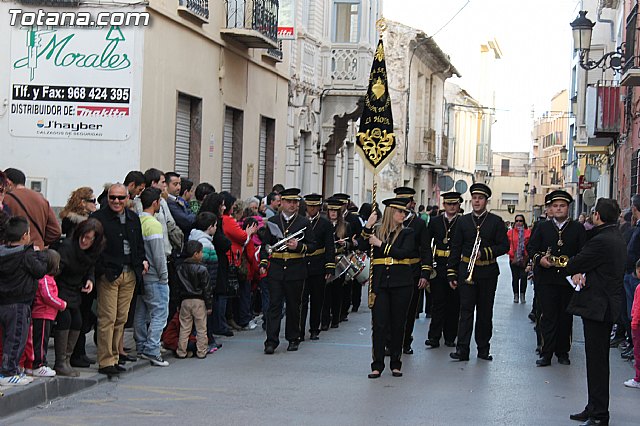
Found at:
<point>302,212</point>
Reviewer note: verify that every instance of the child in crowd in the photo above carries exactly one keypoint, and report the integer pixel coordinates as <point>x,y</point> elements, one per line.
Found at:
<point>20,269</point>
<point>196,299</point>
<point>45,308</point>
<point>635,333</point>
<point>204,229</point>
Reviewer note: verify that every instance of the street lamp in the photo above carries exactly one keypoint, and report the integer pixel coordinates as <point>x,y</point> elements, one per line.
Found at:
<point>582,28</point>
<point>563,153</point>
<point>526,192</point>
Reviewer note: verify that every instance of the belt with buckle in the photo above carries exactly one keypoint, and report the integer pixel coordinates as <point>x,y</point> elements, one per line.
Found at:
<point>316,253</point>
<point>443,253</point>
<point>286,256</point>
<point>389,261</point>
<point>479,262</point>
<point>413,260</point>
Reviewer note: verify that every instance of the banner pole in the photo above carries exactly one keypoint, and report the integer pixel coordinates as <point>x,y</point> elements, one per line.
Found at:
<point>371,296</point>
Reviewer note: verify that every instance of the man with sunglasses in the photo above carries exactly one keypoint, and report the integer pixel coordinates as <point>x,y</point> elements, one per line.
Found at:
<point>552,241</point>
<point>446,303</point>
<point>119,268</point>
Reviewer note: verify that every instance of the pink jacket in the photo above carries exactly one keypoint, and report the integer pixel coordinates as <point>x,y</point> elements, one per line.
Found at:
<point>47,303</point>
<point>635,310</point>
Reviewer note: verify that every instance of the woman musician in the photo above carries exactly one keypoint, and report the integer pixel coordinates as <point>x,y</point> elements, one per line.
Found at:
<point>333,291</point>
<point>392,282</point>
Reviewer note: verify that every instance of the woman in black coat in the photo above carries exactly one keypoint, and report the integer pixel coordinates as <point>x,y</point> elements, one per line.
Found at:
<point>217,322</point>
<point>392,282</point>
<point>78,256</point>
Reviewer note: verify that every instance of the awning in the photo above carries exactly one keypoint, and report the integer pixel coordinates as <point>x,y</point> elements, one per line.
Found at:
<point>594,146</point>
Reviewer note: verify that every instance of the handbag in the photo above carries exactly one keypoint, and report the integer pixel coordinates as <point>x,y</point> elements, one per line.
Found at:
<point>233,285</point>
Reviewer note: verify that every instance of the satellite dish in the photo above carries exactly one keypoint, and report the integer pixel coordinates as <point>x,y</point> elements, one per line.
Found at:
<point>589,197</point>
<point>461,186</point>
<point>445,183</point>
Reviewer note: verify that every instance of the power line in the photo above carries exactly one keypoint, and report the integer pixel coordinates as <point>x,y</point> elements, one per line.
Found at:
<point>452,18</point>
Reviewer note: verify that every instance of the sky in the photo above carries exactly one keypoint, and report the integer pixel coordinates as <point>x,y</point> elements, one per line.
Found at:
<point>535,39</point>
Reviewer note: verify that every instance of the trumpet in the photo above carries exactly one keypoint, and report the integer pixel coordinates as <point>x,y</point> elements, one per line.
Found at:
<point>282,244</point>
<point>557,261</point>
<point>475,253</point>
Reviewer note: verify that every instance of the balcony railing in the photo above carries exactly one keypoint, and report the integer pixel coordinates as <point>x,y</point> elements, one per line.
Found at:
<point>349,65</point>
<point>608,107</point>
<point>197,8</point>
<point>253,23</point>
<point>426,153</point>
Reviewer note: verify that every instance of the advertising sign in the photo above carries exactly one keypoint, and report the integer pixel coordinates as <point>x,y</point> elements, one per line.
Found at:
<point>73,83</point>
<point>286,20</point>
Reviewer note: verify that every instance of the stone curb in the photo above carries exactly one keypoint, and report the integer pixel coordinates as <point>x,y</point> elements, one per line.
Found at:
<point>44,390</point>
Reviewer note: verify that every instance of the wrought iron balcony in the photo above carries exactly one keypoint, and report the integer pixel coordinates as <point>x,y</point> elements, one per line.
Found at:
<point>608,108</point>
<point>196,8</point>
<point>253,23</point>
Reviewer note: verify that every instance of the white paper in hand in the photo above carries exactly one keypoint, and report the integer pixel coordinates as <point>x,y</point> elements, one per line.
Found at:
<point>575,287</point>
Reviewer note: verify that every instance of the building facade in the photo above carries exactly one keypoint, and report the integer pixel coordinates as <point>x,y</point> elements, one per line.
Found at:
<point>202,90</point>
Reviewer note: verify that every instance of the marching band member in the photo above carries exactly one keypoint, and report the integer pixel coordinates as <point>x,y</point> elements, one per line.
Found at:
<point>333,294</point>
<point>476,286</point>
<point>352,289</point>
<point>320,266</point>
<point>552,239</point>
<point>392,283</point>
<point>446,302</point>
<point>287,269</point>
<point>421,261</point>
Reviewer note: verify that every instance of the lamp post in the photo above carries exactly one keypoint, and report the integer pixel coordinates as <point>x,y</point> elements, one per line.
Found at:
<point>582,28</point>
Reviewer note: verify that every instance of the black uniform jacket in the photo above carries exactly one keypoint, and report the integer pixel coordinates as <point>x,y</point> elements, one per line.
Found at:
<point>422,255</point>
<point>391,274</point>
<point>323,259</point>
<point>438,231</point>
<point>602,260</point>
<point>288,265</point>
<point>112,260</point>
<point>545,236</point>
<point>494,243</point>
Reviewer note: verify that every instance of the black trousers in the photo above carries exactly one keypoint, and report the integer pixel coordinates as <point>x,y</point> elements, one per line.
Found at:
<point>389,315</point>
<point>88,322</point>
<point>356,295</point>
<point>314,292</point>
<point>445,311</point>
<point>291,292</point>
<point>476,297</point>
<point>411,312</point>
<point>347,295</point>
<point>596,347</point>
<point>332,306</point>
<point>555,323</point>
<point>518,279</point>
<point>41,333</point>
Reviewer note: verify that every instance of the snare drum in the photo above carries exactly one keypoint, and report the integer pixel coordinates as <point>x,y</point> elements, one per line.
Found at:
<point>343,264</point>
<point>356,266</point>
<point>362,276</point>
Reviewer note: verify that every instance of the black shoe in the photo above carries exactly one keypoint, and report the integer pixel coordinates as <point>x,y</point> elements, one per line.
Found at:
<point>121,368</point>
<point>227,333</point>
<point>354,309</point>
<point>374,375</point>
<point>613,343</point>
<point>628,354</point>
<point>335,325</point>
<point>532,317</point>
<point>344,319</point>
<point>314,335</point>
<point>581,417</point>
<point>432,343</point>
<point>486,357</point>
<point>293,346</point>
<point>458,356</point>
<point>126,358</point>
<point>79,362</point>
<point>543,362</point>
<point>593,422</point>
<point>396,373</point>
<point>407,350</point>
<point>450,343</point>
<point>269,350</point>
<point>302,338</point>
<point>324,328</point>
<point>109,371</point>
<point>564,361</point>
